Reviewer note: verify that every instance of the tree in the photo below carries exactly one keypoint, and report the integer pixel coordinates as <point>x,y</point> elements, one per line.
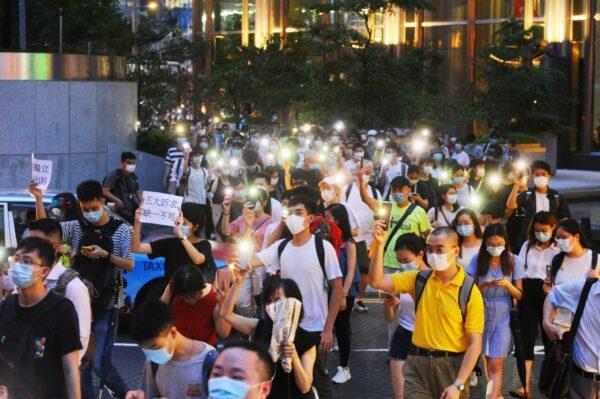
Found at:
<point>514,93</point>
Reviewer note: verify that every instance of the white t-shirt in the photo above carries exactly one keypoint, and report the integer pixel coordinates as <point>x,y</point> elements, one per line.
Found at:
<point>464,258</point>
<point>462,195</point>
<point>462,158</point>
<point>443,215</point>
<point>196,186</point>
<point>406,312</point>
<point>541,202</point>
<point>301,264</point>
<point>537,259</point>
<point>352,166</point>
<point>276,209</point>
<point>362,212</point>
<point>393,171</point>
<point>351,217</point>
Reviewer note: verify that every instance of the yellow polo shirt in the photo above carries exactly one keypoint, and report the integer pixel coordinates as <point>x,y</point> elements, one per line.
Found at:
<point>439,323</point>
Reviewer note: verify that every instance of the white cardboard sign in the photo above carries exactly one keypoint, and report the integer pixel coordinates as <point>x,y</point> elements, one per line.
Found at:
<point>41,172</point>
<point>160,208</point>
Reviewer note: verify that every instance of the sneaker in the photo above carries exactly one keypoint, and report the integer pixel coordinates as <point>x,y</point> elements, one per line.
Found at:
<point>360,307</point>
<point>473,380</point>
<point>335,348</point>
<point>342,376</point>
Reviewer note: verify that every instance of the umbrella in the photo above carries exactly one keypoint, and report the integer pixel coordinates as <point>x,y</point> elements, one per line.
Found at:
<point>515,327</point>
<point>285,314</point>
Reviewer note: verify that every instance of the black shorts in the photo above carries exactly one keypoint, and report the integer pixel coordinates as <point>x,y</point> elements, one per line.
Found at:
<point>401,343</point>
<point>362,257</point>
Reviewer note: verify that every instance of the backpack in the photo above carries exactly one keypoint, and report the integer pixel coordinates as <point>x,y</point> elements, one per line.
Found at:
<point>99,272</point>
<point>68,276</point>
<point>207,365</point>
<point>22,371</point>
<point>320,255</point>
<point>349,190</point>
<point>558,259</point>
<point>120,182</point>
<point>464,292</point>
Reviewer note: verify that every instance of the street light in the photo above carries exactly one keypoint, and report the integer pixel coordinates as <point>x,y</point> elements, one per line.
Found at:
<point>152,6</point>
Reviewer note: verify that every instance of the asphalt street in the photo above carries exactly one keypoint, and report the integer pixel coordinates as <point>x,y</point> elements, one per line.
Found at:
<point>368,366</point>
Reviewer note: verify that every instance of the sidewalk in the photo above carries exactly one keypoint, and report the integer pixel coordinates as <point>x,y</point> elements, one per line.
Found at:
<point>577,184</point>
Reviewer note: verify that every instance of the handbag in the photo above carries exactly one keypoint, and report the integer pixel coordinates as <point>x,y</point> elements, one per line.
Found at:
<point>555,376</point>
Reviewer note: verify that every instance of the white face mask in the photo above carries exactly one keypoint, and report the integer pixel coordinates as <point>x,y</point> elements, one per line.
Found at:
<point>358,155</point>
<point>540,181</point>
<point>438,262</point>
<point>564,244</point>
<point>274,180</point>
<point>159,356</point>
<point>327,195</point>
<point>451,198</point>
<point>495,251</point>
<point>480,172</point>
<point>542,236</point>
<point>295,224</point>
<point>428,169</point>
<point>130,168</point>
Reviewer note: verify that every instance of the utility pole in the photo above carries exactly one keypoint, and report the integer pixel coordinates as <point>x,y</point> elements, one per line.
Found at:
<point>22,26</point>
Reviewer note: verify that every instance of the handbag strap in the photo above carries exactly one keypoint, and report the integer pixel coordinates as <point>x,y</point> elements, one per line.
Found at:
<point>580,306</point>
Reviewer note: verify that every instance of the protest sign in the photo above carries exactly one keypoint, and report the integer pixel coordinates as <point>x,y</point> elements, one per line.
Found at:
<point>41,172</point>
<point>159,208</point>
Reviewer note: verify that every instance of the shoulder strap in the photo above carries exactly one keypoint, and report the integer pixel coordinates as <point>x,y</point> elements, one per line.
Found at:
<point>557,262</point>
<point>373,191</point>
<point>580,306</point>
<point>321,254</point>
<point>154,369</point>
<point>594,260</point>
<point>420,282</point>
<point>348,191</point>
<point>464,294</point>
<point>281,246</point>
<point>64,280</point>
<point>411,208</point>
<point>207,366</point>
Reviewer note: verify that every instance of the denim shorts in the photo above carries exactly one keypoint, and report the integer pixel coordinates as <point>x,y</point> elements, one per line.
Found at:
<point>401,344</point>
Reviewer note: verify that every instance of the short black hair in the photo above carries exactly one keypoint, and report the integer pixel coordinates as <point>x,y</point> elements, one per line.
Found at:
<point>413,169</point>
<point>357,146</point>
<point>540,165</point>
<point>127,155</point>
<point>188,280</point>
<point>494,208</point>
<point>399,182</point>
<point>150,320</point>
<point>309,203</point>
<point>43,248</point>
<point>194,213</point>
<point>410,241</point>
<point>89,190</point>
<point>250,156</point>
<point>234,181</point>
<point>269,170</point>
<point>475,162</point>
<point>261,352</point>
<point>426,160</point>
<point>289,287</point>
<point>46,226</point>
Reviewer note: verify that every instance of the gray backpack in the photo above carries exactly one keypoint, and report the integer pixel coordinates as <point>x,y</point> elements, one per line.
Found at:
<point>68,276</point>
<point>464,293</point>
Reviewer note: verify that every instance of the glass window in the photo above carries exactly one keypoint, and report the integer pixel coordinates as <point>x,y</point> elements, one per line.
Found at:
<point>298,13</point>
<point>448,10</point>
<point>493,9</point>
<point>228,16</point>
<point>451,41</point>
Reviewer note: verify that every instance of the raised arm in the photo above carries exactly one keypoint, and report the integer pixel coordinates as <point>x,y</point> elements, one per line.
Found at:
<point>137,246</point>
<point>377,279</point>
<point>40,212</point>
<point>364,196</point>
<point>243,324</point>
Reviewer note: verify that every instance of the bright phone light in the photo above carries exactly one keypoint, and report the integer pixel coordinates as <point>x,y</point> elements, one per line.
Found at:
<point>380,143</point>
<point>305,128</point>
<point>339,126</point>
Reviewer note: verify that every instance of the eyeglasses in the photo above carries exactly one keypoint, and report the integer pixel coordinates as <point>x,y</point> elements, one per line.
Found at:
<point>25,261</point>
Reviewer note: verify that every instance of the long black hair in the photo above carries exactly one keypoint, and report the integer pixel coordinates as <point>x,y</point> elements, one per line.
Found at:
<point>340,215</point>
<point>68,202</point>
<point>483,258</point>
<point>444,191</point>
<point>541,217</point>
<point>572,227</point>
<point>289,287</point>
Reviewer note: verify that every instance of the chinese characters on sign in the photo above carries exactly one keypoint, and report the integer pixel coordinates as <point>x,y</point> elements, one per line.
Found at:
<point>159,208</point>
<point>41,172</point>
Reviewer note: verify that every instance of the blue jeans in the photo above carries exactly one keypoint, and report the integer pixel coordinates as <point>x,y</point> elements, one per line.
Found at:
<point>105,332</point>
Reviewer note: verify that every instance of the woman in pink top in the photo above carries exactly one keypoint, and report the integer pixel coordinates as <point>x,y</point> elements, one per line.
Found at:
<point>248,231</point>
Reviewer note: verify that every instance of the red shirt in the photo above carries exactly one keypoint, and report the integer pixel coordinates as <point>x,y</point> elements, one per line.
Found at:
<point>196,321</point>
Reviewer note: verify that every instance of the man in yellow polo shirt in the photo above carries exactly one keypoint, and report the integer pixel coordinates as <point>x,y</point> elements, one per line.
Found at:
<point>447,341</point>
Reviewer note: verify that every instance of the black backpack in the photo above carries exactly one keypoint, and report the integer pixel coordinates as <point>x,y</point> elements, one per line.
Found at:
<point>99,272</point>
<point>21,371</point>
<point>558,259</point>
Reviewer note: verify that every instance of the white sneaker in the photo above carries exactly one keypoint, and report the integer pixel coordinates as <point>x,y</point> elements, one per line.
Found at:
<point>342,376</point>
<point>473,381</point>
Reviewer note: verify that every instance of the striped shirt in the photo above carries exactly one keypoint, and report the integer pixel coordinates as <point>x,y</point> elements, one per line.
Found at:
<point>586,347</point>
<point>175,158</point>
<point>72,234</point>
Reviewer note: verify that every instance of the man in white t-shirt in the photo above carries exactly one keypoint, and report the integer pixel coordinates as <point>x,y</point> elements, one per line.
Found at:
<point>392,168</point>
<point>331,193</point>
<point>357,161</point>
<point>300,262</point>
<point>365,219</point>
<point>461,156</point>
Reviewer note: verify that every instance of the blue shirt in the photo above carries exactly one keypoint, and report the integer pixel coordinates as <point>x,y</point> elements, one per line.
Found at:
<point>586,347</point>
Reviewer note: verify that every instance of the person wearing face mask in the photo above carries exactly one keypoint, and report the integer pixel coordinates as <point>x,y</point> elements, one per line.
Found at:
<point>460,182</point>
<point>499,274</point>
<point>391,169</point>
<point>449,316</point>
<point>331,193</point>
<point>302,350</point>
<point>243,370</point>
<point>233,203</point>
<point>121,186</point>
<point>576,260</point>
<point>194,184</point>
<point>400,309</point>
<point>405,217</point>
<point>537,252</point>
<point>493,151</point>
<point>63,208</point>
<point>185,248</point>
<point>309,172</point>
<point>460,155</point>
<point>174,161</point>
<point>176,366</point>
<point>420,193</point>
<point>539,198</point>
<point>514,222</point>
<point>100,241</point>
<point>492,212</point>
<point>473,149</point>
<point>217,191</point>
<point>469,232</point>
<point>445,211</point>
<point>427,177</point>
<point>476,176</point>
<point>274,183</point>
<point>357,161</point>
<point>49,323</point>
<point>194,305</point>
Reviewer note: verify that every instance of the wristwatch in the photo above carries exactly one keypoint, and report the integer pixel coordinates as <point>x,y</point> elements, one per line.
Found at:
<point>459,385</point>
<point>183,237</point>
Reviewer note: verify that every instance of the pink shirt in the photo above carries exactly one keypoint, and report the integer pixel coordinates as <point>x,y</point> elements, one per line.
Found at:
<point>259,227</point>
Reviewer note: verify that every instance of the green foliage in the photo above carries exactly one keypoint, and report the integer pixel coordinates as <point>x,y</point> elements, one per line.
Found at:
<point>155,141</point>
<point>515,94</point>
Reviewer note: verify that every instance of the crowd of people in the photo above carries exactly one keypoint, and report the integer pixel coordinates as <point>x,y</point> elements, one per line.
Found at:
<point>465,241</point>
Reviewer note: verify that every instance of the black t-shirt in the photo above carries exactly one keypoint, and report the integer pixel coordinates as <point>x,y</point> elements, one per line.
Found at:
<point>284,383</point>
<point>175,255</point>
<point>56,333</point>
<point>124,187</point>
<point>433,186</point>
<point>311,176</point>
